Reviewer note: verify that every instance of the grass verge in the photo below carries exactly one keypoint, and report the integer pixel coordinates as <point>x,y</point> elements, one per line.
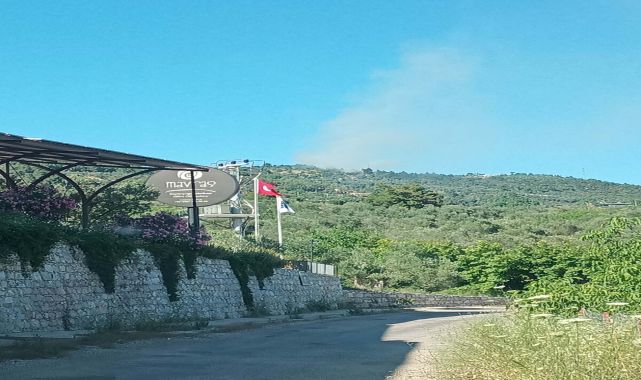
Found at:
<point>528,346</point>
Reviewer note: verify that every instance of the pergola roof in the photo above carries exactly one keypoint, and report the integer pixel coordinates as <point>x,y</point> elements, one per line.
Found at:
<point>38,151</point>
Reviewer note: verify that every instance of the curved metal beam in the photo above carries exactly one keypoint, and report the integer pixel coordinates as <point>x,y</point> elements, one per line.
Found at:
<point>73,183</point>
<point>86,201</point>
<point>85,204</point>
<point>116,181</point>
<point>51,173</point>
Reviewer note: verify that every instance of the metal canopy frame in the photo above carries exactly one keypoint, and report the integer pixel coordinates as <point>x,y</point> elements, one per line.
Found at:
<point>55,158</point>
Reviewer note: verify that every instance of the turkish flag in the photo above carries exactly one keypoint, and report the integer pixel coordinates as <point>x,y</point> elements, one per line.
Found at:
<point>268,189</point>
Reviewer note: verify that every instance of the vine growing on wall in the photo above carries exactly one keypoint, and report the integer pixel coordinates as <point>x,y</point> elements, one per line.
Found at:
<point>166,257</point>
<point>245,264</point>
<point>31,240</point>
<point>103,252</point>
<point>169,239</point>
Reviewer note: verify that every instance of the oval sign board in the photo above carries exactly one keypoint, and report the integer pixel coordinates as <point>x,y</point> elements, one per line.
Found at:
<point>212,187</point>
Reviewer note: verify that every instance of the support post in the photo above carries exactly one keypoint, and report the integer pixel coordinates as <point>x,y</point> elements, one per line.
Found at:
<point>85,208</point>
<point>256,213</point>
<point>280,226</point>
<point>11,184</point>
<point>236,206</point>
<point>195,223</point>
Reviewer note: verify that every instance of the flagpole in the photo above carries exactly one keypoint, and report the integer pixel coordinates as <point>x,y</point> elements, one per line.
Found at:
<point>256,213</point>
<point>280,227</point>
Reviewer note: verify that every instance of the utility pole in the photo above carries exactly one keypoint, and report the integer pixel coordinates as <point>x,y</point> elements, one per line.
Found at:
<point>246,173</point>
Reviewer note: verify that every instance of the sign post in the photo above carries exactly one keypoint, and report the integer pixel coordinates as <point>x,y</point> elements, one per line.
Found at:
<point>195,222</point>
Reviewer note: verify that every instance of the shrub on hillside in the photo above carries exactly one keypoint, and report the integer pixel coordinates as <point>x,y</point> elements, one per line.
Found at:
<point>410,195</point>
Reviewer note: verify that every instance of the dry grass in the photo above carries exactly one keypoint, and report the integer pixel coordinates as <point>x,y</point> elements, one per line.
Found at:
<point>529,346</point>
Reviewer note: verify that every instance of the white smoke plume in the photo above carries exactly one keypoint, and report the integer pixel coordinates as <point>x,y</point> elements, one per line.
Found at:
<point>420,116</point>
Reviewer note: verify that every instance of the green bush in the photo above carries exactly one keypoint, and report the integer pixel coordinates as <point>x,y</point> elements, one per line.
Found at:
<point>608,270</point>
<point>28,238</point>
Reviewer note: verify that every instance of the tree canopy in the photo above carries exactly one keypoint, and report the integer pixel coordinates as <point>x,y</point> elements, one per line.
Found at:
<point>410,195</point>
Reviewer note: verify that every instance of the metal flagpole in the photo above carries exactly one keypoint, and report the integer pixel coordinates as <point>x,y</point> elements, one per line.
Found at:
<point>280,227</point>
<point>256,213</point>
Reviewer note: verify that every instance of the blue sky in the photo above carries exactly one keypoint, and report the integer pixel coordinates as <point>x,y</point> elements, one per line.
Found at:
<point>422,86</point>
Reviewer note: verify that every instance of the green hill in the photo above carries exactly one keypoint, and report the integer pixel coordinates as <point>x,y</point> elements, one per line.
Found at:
<point>467,232</point>
<point>510,209</point>
<point>512,218</point>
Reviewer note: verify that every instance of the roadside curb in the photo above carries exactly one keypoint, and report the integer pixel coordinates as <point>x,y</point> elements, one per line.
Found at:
<point>45,335</point>
<point>219,325</point>
<point>229,325</point>
<point>224,325</point>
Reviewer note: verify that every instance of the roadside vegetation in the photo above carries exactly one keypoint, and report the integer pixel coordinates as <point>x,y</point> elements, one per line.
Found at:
<point>587,324</point>
<point>534,345</point>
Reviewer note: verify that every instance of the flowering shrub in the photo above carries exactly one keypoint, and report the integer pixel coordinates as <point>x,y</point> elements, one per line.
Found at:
<point>164,227</point>
<point>45,203</point>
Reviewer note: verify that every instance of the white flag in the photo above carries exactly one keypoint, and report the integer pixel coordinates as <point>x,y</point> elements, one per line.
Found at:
<point>284,207</point>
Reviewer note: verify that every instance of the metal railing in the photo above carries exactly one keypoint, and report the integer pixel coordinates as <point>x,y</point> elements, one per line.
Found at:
<point>313,267</point>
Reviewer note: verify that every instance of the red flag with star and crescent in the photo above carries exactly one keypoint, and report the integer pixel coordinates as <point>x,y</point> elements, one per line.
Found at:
<point>265,188</point>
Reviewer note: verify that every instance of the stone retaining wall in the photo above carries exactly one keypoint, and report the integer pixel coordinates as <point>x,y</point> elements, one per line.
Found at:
<point>66,295</point>
<point>303,290</point>
<point>360,299</point>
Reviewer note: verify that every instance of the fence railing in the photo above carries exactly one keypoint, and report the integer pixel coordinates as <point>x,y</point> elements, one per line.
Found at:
<point>313,267</point>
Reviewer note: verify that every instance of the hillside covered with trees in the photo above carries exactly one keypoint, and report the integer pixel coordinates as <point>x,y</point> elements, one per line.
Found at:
<point>473,233</point>
<point>508,209</point>
<point>433,232</point>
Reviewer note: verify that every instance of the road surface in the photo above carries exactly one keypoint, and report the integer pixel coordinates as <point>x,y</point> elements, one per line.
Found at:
<point>360,347</point>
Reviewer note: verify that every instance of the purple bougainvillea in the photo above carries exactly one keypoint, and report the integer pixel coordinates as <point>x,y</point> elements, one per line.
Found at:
<point>164,227</point>
<point>42,202</point>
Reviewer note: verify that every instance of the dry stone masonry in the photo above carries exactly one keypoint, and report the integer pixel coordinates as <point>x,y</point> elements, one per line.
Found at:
<point>303,290</point>
<point>66,295</point>
<point>359,299</point>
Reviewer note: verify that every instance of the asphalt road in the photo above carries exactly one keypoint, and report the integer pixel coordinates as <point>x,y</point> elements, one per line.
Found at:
<point>360,347</point>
